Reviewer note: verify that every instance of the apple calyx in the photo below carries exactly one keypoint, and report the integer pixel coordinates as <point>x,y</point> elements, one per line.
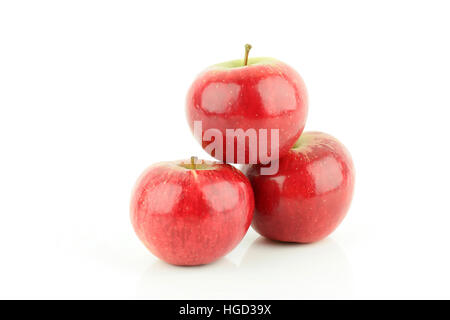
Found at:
<point>248,47</point>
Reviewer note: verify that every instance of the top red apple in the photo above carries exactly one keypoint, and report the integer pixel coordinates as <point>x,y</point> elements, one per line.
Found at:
<point>249,94</point>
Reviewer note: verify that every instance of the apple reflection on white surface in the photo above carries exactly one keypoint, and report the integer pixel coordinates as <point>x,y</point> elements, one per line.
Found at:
<point>265,270</point>
<point>292,270</point>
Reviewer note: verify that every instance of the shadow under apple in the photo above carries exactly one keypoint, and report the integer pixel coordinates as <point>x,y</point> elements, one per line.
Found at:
<point>280,270</point>
<point>165,281</point>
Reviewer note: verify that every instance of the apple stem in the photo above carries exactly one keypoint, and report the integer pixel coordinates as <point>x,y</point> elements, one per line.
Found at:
<point>247,50</point>
<point>193,162</point>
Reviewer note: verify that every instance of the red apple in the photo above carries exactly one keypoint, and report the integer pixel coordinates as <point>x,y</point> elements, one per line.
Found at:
<point>250,93</point>
<point>309,196</point>
<point>190,213</point>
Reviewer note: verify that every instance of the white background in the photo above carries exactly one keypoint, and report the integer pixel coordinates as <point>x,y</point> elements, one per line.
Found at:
<point>92,92</point>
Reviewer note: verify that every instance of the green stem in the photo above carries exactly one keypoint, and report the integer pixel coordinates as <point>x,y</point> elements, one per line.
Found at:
<point>247,50</point>
<point>193,161</point>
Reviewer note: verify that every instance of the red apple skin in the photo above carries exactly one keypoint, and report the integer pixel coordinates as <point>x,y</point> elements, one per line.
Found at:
<point>309,196</point>
<point>191,217</point>
<point>266,94</point>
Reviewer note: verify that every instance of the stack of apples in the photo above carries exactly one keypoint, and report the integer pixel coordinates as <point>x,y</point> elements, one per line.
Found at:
<point>293,186</point>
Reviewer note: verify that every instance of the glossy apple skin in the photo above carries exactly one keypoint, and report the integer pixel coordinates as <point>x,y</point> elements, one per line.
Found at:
<point>261,96</point>
<point>191,217</point>
<point>309,196</point>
